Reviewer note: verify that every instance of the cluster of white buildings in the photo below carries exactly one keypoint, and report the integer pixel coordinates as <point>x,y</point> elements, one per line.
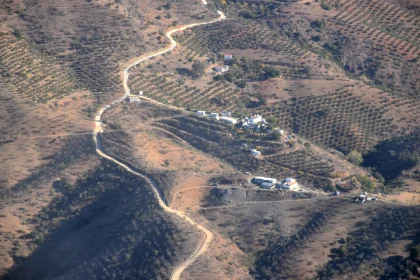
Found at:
<point>271,183</point>
<point>223,68</point>
<point>252,121</point>
<point>363,197</point>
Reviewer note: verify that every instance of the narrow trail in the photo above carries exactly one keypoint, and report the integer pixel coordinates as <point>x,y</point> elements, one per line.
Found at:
<point>201,248</point>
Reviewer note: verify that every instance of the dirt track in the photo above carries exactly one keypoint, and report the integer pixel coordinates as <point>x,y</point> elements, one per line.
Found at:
<point>201,248</point>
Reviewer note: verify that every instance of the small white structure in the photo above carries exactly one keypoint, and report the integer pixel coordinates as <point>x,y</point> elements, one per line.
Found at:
<point>221,69</point>
<point>214,116</point>
<point>134,99</point>
<point>140,93</point>
<point>289,183</point>
<point>281,131</point>
<point>227,57</point>
<point>255,119</point>
<point>361,198</point>
<point>201,113</point>
<point>226,114</point>
<point>229,120</point>
<point>255,152</point>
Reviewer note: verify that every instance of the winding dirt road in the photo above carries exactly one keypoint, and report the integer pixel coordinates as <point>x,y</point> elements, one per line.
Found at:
<point>201,248</point>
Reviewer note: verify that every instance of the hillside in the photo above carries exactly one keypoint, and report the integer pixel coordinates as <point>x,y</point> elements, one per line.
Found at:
<point>324,239</point>
<point>125,155</point>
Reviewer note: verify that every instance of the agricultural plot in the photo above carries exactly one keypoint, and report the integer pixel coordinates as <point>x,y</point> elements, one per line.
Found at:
<point>92,42</point>
<point>238,34</point>
<point>216,96</point>
<point>31,74</point>
<point>215,139</point>
<point>281,172</point>
<point>394,34</point>
<point>303,161</point>
<point>339,120</point>
<point>387,24</point>
<point>373,40</point>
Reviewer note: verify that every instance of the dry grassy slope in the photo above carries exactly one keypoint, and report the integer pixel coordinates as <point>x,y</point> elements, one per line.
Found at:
<point>224,260</point>
<point>21,119</point>
<point>50,49</point>
<point>32,172</point>
<point>156,150</point>
<point>106,214</point>
<point>268,233</point>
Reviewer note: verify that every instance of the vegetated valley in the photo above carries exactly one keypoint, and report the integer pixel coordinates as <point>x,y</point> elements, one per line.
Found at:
<point>324,92</point>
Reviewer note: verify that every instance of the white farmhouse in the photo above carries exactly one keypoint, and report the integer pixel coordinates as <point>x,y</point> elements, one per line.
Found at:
<point>134,99</point>
<point>254,152</point>
<point>255,119</point>
<point>214,116</point>
<point>201,113</point>
<point>227,57</point>
<point>221,69</point>
<point>289,183</point>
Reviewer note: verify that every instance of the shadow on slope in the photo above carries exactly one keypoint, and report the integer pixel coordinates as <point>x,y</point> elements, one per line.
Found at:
<point>105,226</point>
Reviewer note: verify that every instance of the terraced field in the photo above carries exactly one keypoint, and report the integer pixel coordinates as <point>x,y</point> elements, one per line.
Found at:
<point>338,120</point>
<point>168,89</point>
<point>215,139</point>
<point>238,34</point>
<point>303,161</point>
<point>388,25</point>
<point>31,74</point>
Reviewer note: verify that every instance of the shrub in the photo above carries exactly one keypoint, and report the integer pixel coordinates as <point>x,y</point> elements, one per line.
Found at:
<point>272,72</point>
<point>355,157</point>
<point>198,69</point>
<point>367,183</point>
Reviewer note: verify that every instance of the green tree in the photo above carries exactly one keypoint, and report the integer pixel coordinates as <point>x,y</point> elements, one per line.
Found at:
<point>272,120</point>
<point>367,183</point>
<point>415,253</point>
<point>355,157</point>
<point>342,250</point>
<point>198,69</point>
<point>271,72</point>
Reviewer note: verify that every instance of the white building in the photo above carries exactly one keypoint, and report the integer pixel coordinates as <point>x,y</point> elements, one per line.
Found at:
<point>255,152</point>
<point>214,116</point>
<point>255,119</point>
<point>221,69</point>
<point>229,120</point>
<point>227,57</point>
<point>134,99</point>
<point>289,183</point>
<point>226,114</point>
<point>260,180</point>
<point>201,113</point>
<point>281,131</point>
